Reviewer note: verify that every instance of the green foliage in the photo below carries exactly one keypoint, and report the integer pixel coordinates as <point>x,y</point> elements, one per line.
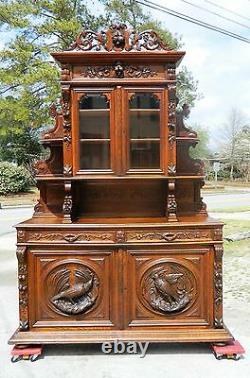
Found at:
<point>13,179</point>
<point>21,148</point>
<point>201,150</point>
<point>29,78</point>
<point>187,87</point>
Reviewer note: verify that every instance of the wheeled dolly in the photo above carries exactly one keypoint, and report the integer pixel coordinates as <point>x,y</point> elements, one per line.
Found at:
<point>233,350</point>
<point>26,352</point>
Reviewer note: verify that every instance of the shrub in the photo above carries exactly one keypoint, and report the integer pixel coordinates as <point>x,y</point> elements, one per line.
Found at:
<point>13,178</point>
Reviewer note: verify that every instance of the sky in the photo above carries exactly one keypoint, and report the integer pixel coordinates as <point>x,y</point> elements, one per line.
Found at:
<point>220,63</point>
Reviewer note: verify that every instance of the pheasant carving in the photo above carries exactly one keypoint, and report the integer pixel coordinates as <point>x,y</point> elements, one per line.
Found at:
<point>165,284</point>
<point>75,291</point>
<point>169,288</point>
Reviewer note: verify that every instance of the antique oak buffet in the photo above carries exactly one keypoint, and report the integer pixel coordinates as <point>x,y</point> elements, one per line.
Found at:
<point>120,245</point>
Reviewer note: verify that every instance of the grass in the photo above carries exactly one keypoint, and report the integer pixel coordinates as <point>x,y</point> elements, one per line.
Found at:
<point>239,209</point>
<point>241,247</point>
<point>28,198</point>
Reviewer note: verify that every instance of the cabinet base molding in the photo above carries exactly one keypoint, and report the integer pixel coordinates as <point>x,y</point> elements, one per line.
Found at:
<point>78,337</point>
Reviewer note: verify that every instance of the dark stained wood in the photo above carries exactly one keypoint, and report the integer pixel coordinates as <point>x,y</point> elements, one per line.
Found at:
<point>121,248</point>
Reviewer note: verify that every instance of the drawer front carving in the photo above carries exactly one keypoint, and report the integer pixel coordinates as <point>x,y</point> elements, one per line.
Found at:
<point>71,237</point>
<point>168,236</point>
<point>170,288</point>
<point>119,236</point>
<point>71,289</point>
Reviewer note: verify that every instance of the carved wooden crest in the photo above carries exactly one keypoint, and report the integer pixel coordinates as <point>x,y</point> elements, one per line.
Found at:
<point>73,288</point>
<point>169,287</point>
<point>118,38</point>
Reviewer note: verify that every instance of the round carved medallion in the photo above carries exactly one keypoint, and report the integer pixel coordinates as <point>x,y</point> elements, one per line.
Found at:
<point>73,288</point>
<point>169,287</point>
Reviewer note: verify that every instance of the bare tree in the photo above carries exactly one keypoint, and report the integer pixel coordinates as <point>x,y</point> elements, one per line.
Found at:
<point>231,133</point>
<point>242,152</point>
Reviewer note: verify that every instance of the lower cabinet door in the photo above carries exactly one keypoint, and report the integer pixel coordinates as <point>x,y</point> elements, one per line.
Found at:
<point>72,288</point>
<point>169,287</point>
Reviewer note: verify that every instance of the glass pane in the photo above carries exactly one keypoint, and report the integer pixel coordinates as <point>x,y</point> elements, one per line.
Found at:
<point>144,131</point>
<point>144,154</point>
<point>94,125</point>
<point>94,101</point>
<point>142,100</point>
<point>94,155</point>
<point>144,124</point>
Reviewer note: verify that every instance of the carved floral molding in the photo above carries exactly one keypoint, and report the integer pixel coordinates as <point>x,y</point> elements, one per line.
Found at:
<point>119,70</point>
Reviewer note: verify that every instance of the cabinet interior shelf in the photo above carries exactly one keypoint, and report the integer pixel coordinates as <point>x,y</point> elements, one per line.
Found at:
<point>144,110</point>
<point>143,140</point>
<point>94,111</point>
<point>95,140</point>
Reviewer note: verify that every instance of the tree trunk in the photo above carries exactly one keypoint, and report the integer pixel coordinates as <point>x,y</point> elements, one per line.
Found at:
<point>232,172</point>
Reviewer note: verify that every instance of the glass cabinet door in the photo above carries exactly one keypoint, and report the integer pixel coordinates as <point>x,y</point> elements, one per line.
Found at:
<point>94,132</point>
<point>144,131</point>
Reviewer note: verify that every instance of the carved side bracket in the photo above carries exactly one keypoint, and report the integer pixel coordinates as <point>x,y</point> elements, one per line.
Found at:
<point>218,287</point>
<point>171,202</point>
<point>202,207</point>
<point>171,72</point>
<point>21,254</point>
<point>67,203</point>
<point>172,128</point>
<point>57,131</point>
<point>50,166</point>
<point>67,138</point>
<point>65,72</point>
<point>185,164</point>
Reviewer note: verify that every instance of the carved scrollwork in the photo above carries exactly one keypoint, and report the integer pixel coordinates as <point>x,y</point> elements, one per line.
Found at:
<point>89,40</point>
<point>118,38</point>
<point>73,288</point>
<point>99,72</point>
<point>169,287</point>
<point>149,40</point>
<point>23,288</point>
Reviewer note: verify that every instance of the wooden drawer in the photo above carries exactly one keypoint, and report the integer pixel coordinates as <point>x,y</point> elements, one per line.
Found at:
<point>119,236</point>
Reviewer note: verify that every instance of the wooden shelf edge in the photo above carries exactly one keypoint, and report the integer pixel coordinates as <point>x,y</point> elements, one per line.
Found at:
<point>100,336</point>
<point>109,177</point>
